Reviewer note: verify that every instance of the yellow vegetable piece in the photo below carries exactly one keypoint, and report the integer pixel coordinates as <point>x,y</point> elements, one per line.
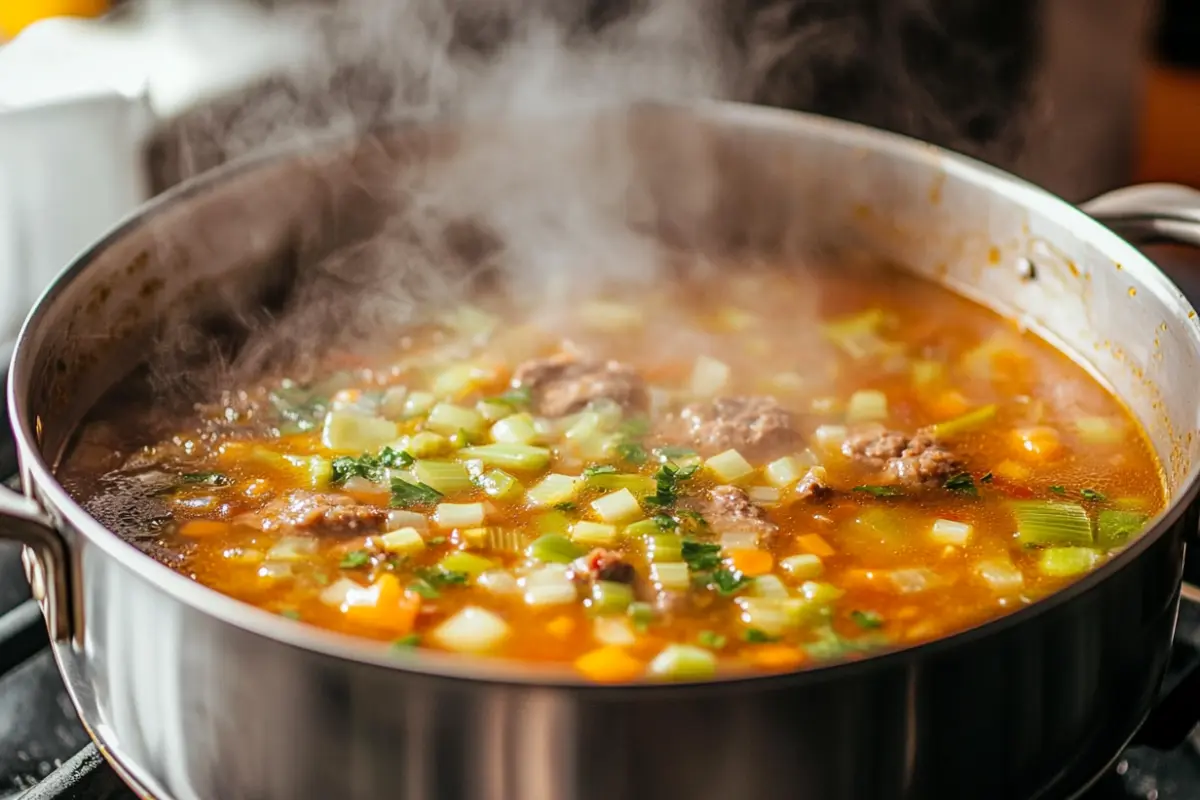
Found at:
<point>776,657</point>
<point>815,543</point>
<point>609,665</point>
<point>16,15</point>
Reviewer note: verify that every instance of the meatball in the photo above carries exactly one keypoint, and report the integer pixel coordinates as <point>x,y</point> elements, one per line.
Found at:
<point>562,384</point>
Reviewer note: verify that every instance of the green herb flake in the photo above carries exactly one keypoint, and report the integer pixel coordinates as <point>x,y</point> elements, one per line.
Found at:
<point>425,589</point>
<point>405,494</point>
<point>567,506</point>
<point>961,483</point>
<point>880,491</point>
<point>729,582</point>
<point>712,640</point>
<point>518,398</point>
<point>290,613</point>
<point>1058,489</point>
<point>599,469</point>
<point>632,453</point>
<point>667,481</point>
<point>867,620</point>
<point>355,559</point>
<point>205,478</point>
<point>407,642</point>
<point>665,522</point>
<point>437,577</point>
<point>756,636</point>
<point>396,459</point>
<point>1092,495</point>
<point>701,556</point>
<point>666,454</point>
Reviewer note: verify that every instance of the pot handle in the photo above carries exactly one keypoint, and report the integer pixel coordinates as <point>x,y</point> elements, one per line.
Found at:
<point>1150,212</point>
<point>45,558</point>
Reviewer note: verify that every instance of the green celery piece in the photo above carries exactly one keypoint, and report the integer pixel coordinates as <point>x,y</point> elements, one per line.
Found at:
<point>1049,523</point>
<point>1063,562</point>
<point>1114,527</point>
<point>552,548</point>
<point>611,597</point>
<point>520,457</point>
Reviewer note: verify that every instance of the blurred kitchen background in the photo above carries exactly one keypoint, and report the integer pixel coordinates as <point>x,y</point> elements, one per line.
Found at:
<point>103,103</point>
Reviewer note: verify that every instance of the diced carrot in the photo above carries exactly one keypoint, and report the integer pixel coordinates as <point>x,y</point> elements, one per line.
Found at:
<point>560,627</point>
<point>776,656</point>
<point>750,562</point>
<point>1038,444</point>
<point>860,579</point>
<point>815,544</point>
<point>202,528</point>
<point>609,665</point>
<point>950,404</point>
<point>385,606</point>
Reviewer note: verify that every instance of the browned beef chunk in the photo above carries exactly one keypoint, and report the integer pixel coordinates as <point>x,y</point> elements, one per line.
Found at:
<point>312,512</point>
<point>563,384</point>
<point>916,460</point>
<point>813,486</point>
<point>756,426</point>
<point>606,565</point>
<point>729,509</point>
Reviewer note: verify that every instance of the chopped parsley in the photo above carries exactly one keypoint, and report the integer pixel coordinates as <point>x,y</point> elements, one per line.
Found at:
<point>438,577</point>
<point>757,636</point>
<point>665,522</point>
<point>667,480</point>
<point>355,559</point>
<point>518,398</point>
<point>405,494</point>
<point>599,469</point>
<point>630,447</point>
<point>634,428</point>
<point>373,468</point>
<point>1092,495</point>
<point>290,613</point>
<point>1058,489</point>
<point>398,459</point>
<point>880,491</point>
<point>669,453</point>
<point>407,642</point>
<point>425,589</point>
<point>701,556</point>
<point>867,620</point>
<point>632,453</point>
<point>711,639</point>
<point>565,506</point>
<point>961,483</point>
<point>729,582</point>
<point>205,478</point>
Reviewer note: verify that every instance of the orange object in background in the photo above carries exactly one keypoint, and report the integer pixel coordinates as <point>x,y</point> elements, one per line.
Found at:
<point>1169,147</point>
<point>16,15</point>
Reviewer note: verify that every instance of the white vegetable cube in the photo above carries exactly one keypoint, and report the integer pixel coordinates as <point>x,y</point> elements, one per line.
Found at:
<point>709,376</point>
<point>550,593</point>
<point>399,518</point>
<point>460,515</point>
<point>593,534</point>
<point>418,403</point>
<point>554,489</point>
<point>670,576</point>
<point>449,419</point>
<point>348,432</point>
<point>830,437</point>
<point>769,586</point>
<point>1001,575</point>
<point>516,429</point>
<point>948,531</point>
<point>868,405</point>
<point>472,630</point>
<point>729,466</point>
<point>739,540</point>
<point>683,662</point>
<point>404,541</point>
<point>498,581</point>
<point>767,614</point>
<point>763,495</point>
<point>784,472</point>
<point>618,507</point>
<point>803,567</point>
<point>613,631</point>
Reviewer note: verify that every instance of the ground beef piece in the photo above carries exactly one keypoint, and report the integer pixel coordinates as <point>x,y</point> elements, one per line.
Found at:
<point>752,425</point>
<point>916,460</point>
<point>563,384</point>
<point>813,486</point>
<point>606,565</point>
<point>729,509</point>
<point>318,513</point>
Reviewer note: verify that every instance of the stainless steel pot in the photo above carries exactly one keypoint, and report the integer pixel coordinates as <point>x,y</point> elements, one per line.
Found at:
<point>194,695</point>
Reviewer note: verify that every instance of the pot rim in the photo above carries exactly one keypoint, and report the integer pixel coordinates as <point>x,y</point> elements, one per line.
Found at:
<point>435,664</point>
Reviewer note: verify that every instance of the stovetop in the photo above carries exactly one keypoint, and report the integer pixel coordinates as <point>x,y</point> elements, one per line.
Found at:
<point>45,754</point>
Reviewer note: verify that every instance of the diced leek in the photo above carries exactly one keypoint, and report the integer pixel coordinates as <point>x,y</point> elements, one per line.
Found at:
<point>684,662</point>
<point>609,597</point>
<point>593,534</point>
<point>346,432</point>
<point>426,444</point>
<point>468,563</point>
<point>459,379</point>
<point>448,419</point>
<point>552,548</point>
<point>769,586</point>
<point>448,477</point>
<point>620,506</point>
<point>586,425</point>
<point>1048,523</point>
<point>739,540</point>
<point>1063,562</point>
<point>768,614</point>
<point>709,377</point>
<point>499,485</point>
<point>803,567</point>
<point>471,630</point>
<point>948,531</point>
<point>1100,430</point>
<point>829,437</point>
<point>459,515</point>
<point>1115,527</point>
<point>405,541</point>
<point>507,455</point>
<point>318,471</point>
<point>664,547</point>
<point>613,631</point>
<point>637,484</point>
<point>516,429</point>
<point>670,577</point>
<point>763,495</point>
<point>399,518</point>
<point>783,472</point>
<point>729,466</point>
<point>1001,576</point>
<point>554,489</point>
<point>498,581</point>
<point>967,422</point>
<point>551,594</point>
<point>292,548</point>
<point>503,539</point>
<point>418,403</point>
<point>867,405</point>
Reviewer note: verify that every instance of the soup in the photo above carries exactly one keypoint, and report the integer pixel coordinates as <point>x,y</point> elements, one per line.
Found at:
<point>669,483</point>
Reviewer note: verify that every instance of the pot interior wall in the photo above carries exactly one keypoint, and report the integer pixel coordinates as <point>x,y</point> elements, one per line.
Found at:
<point>713,179</point>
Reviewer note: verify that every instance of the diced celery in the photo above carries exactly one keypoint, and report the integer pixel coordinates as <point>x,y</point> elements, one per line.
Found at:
<point>768,614</point>
<point>670,577</point>
<point>1115,527</point>
<point>642,529</point>
<point>586,425</point>
<point>418,403</point>
<point>499,485</point>
<point>620,506</point>
<point>784,472</point>
<point>763,495</point>
<point>448,419</point>
<point>291,549</point>
<point>1001,575</point>
<point>684,662</point>
<point>1063,562</point>
<point>318,471</point>
<point>471,630</point>
<point>967,422</point>
<point>729,466</point>
<point>346,432</point>
<point>613,631</point>
<point>709,377</point>
<point>948,531</point>
<point>664,547</point>
<point>598,447</point>
<point>637,484</point>
<point>498,581</point>
<point>448,477</point>
<point>459,379</point>
<point>1047,523</point>
<point>829,437</point>
<point>391,405</point>
<point>507,455</point>
<point>554,489</point>
<point>399,518</point>
<point>515,429</point>
<point>768,586</point>
<point>404,541</point>
<point>641,614</point>
<point>493,410</point>
<point>866,405</point>
<point>552,522</point>
<point>426,444</point>
<point>459,515</point>
<point>1100,430</point>
<point>610,597</point>
<point>469,563</point>
<point>593,534</point>
<point>804,566</point>
<point>552,548</point>
<point>502,539</point>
